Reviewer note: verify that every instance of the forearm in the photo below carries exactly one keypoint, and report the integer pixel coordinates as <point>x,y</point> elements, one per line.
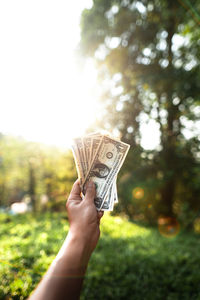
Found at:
<point>65,276</point>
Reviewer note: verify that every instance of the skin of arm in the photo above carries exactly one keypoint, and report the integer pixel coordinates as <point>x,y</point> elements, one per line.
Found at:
<point>64,277</point>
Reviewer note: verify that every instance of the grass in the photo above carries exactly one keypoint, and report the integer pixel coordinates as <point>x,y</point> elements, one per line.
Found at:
<point>130,262</point>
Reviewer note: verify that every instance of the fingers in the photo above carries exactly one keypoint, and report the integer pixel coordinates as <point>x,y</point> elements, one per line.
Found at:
<point>100,214</point>
<point>76,191</point>
<point>90,192</point>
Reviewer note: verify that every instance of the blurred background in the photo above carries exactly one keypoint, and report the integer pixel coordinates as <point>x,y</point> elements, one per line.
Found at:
<point>126,66</point>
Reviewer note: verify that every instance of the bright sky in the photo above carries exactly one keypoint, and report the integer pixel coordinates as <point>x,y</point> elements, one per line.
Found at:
<point>44,95</point>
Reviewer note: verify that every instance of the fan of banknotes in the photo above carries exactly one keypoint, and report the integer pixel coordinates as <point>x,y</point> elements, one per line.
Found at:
<point>99,157</point>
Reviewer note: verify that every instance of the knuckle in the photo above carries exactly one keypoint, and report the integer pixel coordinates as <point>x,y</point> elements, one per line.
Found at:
<point>67,204</point>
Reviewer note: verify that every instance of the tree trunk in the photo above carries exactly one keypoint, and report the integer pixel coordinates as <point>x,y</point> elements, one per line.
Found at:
<point>168,134</point>
<point>32,185</point>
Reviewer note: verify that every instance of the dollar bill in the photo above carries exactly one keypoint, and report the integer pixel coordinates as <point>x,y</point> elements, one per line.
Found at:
<point>87,141</point>
<point>108,203</point>
<point>94,146</point>
<point>115,192</point>
<point>106,163</point>
<point>77,159</point>
<point>78,151</point>
<point>111,198</point>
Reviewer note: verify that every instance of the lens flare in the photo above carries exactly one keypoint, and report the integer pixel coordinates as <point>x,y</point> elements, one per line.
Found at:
<point>168,226</point>
<point>138,193</point>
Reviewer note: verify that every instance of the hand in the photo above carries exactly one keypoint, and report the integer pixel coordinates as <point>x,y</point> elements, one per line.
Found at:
<point>65,276</point>
<point>83,217</point>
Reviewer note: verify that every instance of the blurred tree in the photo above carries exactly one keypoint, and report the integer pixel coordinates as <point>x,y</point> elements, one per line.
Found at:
<point>28,168</point>
<point>13,174</point>
<point>147,54</point>
<point>32,183</point>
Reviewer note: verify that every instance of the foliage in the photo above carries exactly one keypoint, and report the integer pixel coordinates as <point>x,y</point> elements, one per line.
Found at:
<point>130,262</point>
<point>31,169</point>
<point>147,54</point>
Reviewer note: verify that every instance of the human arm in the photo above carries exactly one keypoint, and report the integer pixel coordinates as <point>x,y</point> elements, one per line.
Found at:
<point>65,276</point>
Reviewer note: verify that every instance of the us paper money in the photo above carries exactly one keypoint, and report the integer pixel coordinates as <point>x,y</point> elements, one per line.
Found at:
<point>99,158</point>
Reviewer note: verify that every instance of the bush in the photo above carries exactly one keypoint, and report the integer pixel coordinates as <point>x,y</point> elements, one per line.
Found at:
<point>130,261</point>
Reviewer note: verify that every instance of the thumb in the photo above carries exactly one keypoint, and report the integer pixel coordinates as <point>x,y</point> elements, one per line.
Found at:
<point>90,191</point>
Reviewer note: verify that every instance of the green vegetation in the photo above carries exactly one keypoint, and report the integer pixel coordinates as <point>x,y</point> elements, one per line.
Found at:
<point>130,262</point>
<point>33,170</point>
<point>148,59</point>
<point>147,53</point>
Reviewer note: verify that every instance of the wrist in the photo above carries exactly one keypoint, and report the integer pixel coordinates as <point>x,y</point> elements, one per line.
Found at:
<point>82,235</point>
<point>77,244</point>
<point>81,239</point>
<point>75,250</point>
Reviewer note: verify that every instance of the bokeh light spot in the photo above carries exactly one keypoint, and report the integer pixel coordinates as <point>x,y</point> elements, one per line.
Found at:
<point>138,193</point>
<point>168,226</point>
<point>197,225</point>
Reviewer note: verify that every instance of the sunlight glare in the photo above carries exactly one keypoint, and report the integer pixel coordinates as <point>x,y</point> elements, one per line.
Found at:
<point>150,134</point>
<point>45,94</point>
